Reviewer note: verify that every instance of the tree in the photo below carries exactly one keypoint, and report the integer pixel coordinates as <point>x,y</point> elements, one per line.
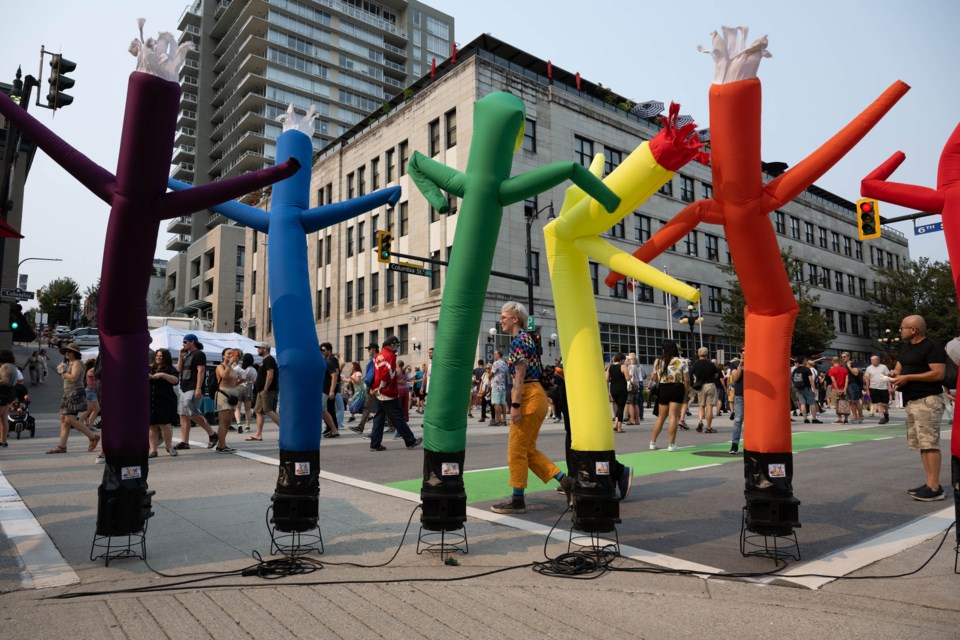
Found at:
<point>55,299</point>
<point>162,303</point>
<point>921,288</point>
<point>812,334</point>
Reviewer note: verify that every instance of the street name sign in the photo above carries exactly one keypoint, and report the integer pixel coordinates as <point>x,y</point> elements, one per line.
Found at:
<point>417,271</point>
<point>16,294</point>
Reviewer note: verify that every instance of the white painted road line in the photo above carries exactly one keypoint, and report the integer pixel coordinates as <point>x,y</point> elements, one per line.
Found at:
<point>846,561</point>
<point>44,567</point>
<point>834,446</point>
<point>703,466</point>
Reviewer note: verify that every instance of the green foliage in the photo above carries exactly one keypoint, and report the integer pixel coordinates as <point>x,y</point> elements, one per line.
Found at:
<point>922,288</point>
<point>55,299</point>
<point>812,333</point>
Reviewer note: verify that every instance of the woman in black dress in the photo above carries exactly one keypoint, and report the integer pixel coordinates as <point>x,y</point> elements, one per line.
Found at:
<point>163,401</point>
<point>617,378</point>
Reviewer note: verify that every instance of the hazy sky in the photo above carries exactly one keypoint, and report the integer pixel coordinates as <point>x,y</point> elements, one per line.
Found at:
<point>830,59</point>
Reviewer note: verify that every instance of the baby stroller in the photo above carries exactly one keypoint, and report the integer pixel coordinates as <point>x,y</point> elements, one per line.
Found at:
<point>19,418</point>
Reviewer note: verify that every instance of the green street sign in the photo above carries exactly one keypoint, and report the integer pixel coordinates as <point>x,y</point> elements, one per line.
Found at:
<point>531,323</point>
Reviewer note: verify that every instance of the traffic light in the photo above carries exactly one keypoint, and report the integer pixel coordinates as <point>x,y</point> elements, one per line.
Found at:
<point>14,316</point>
<point>868,218</point>
<point>59,82</point>
<point>384,246</point>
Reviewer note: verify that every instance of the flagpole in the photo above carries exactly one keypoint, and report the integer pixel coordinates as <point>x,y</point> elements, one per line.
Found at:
<point>666,298</point>
<point>636,331</point>
<point>700,315</point>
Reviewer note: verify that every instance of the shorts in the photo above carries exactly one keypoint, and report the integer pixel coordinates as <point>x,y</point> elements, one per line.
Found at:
<point>498,396</point>
<point>669,392</point>
<point>707,394</point>
<point>266,402</point>
<point>880,396</point>
<point>923,423</point>
<point>188,405</point>
<point>854,393</point>
<point>632,397</point>
<point>690,395</point>
<point>6,395</point>
<point>806,396</point>
<point>224,395</point>
<point>91,395</point>
<point>73,402</point>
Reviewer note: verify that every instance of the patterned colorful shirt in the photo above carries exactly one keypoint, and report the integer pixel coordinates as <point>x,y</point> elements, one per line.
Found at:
<point>524,348</point>
<point>674,372</point>
<point>498,375</point>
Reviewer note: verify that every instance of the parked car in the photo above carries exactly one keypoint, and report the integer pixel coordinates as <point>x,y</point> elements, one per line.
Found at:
<point>87,337</point>
<point>61,329</point>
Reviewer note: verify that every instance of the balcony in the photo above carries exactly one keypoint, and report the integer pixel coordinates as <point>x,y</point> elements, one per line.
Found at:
<point>186,153</point>
<point>189,17</point>
<point>226,50</point>
<point>183,171</point>
<point>235,13</point>
<point>250,160</point>
<point>187,118</point>
<point>248,134</point>
<point>185,137</point>
<point>179,225</point>
<point>179,242</point>
<point>250,83</point>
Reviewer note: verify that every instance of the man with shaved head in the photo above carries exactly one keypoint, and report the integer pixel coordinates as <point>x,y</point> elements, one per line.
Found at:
<point>919,374</point>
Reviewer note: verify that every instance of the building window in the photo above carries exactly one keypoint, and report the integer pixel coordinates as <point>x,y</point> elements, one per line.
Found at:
<point>808,232</point>
<point>450,120</point>
<point>795,227</point>
<point>404,219</point>
<point>451,204</point>
<point>713,247</point>
<point>595,278</point>
<point>823,237</point>
<point>320,199</point>
<point>642,227</point>
<point>375,174</point>
<point>643,292</point>
<point>360,293</point>
<point>864,326</point>
<point>852,285</point>
<point>388,277</point>
<point>361,181</point>
<point>388,160</point>
<point>319,303</point>
<point>847,246</point>
<point>686,189</point>
<point>889,260</point>
<point>433,141</point>
<point>255,241</point>
<point>348,295</point>
<point>535,267</point>
<point>361,235</point>
<point>389,219</point>
<point>349,185</point>
<point>825,274</point>
<point>838,279</point>
<point>253,284</point>
<point>619,290</point>
<point>374,225</point>
<point>404,151</point>
<point>239,288</point>
<point>715,302</point>
<point>612,159</point>
<point>329,251</point>
<point>319,250</point>
<point>842,321</point>
<point>854,324</point>
<point>327,303</point>
<point>619,230</point>
<point>781,223</point>
<point>404,286</point>
<point>583,150</point>
<point>812,274</point>
<point>241,256</point>
<point>835,241</point>
<point>707,189</point>
<point>349,242</point>
<point>863,287</point>
<point>858,250</point>
<point>434,215</point>
<point>435,272</point>
<point>374,289</point>
<point>667,188</point>
<point>530,136</point>
<point>692,244</point>
<point>403,332</point>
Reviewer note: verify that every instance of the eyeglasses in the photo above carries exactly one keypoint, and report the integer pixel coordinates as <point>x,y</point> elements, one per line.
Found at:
<point>908,328</point>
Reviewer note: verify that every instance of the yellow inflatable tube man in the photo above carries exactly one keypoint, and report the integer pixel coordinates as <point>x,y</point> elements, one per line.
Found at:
<point>571,240</point>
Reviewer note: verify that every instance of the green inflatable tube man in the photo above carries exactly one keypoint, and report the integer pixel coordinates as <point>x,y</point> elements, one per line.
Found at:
<point>485,188</point>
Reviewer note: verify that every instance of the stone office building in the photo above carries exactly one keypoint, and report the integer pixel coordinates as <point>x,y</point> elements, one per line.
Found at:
<point>358,300</point>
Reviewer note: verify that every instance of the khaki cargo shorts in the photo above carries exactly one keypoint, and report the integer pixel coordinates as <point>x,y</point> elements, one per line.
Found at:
<point>707,395</point>
<point>923,423</point>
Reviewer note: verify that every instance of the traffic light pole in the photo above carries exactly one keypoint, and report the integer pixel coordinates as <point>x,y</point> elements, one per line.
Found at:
<point>912,216</point>
<point>443,263</point>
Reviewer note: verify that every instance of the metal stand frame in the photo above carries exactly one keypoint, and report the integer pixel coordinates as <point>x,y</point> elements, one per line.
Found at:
<point>765,549</point>
<point>450,542</point>
<point>120,551</point>
<point>295,543</point>
<point>594,537</point>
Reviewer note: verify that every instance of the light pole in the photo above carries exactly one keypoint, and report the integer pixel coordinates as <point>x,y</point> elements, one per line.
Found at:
<point>48,259</point>
<point>890,342</point>
<point>692,319</point>
<point>529,220</point>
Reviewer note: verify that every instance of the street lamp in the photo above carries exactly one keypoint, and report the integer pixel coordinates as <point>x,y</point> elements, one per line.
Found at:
<point>692,319</point>
<point>47,259</point>
<point>416,344</point>
<point>890,342</point>
<point>529,220</point>
<point>492,334</point>
<point>553,342</point>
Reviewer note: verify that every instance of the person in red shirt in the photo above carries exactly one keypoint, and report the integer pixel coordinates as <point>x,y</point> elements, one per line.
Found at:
<point>839,379</point>
<point>387,393</point>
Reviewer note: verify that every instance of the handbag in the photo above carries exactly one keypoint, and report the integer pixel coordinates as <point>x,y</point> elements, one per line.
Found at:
<point>843,407</point>
<point>231,400</point>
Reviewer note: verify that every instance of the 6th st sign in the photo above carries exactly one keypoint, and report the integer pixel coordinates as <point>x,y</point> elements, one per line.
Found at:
<point>17,294</point>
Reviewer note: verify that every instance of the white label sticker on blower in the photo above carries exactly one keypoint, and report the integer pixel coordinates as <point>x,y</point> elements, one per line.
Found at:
<point>130,473</point>
<point>450,468</point>
<point>603,468</point>
<point>777,470</point>
<point>301,468</point>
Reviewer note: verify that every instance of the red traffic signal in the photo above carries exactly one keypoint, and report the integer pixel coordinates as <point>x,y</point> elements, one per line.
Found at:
<point>868,219</point>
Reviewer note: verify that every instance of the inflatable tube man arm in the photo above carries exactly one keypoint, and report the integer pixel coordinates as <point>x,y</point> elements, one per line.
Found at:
<point>210,195</point>
<point>244,214</point>
<point>875,185</point>
<point>327,215</point>
<point>531,183</point>
<point>431,177</point>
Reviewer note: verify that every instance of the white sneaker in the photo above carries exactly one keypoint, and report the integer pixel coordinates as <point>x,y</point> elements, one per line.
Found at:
<point>673,447</point>
<point>100,460</point>
<point>653,446</point>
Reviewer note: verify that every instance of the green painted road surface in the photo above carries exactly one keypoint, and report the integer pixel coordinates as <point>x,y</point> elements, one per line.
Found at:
<point>490,484</point>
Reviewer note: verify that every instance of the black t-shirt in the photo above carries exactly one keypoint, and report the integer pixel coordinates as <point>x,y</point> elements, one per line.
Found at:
<point>703,372</point>
<point>801,377</point>
<point>269,364</point>
<point>191,362</point>
<point>915,358</point>
<point>160,389</point>
<point>332,365</point>
<point>738,384</point>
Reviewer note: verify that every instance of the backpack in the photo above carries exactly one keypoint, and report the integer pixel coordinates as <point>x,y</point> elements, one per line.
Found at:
<point>799,377</point>
<point>950,375</point>
<point>210,383</point>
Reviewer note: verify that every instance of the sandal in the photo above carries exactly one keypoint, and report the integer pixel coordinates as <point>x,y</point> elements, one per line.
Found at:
<point>173,452</point>
<point>254,439</point>
<point>59,449</point>
<point>709,430</point>
<point>94,441</point>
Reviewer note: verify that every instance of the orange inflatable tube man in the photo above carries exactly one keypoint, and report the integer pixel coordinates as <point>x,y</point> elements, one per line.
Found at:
<point>742,204</point>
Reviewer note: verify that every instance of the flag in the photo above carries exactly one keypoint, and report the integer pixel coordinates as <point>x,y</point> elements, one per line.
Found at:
<point>675,309</point>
